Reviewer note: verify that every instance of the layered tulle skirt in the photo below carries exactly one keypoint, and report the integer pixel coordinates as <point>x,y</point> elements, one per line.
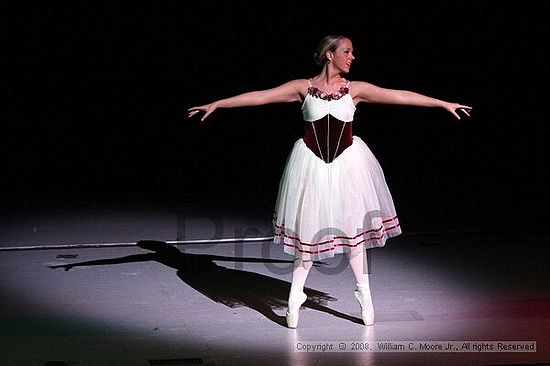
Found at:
<point>323,209</point>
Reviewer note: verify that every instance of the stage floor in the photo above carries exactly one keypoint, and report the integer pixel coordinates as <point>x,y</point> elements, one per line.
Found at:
<point>212,303</point>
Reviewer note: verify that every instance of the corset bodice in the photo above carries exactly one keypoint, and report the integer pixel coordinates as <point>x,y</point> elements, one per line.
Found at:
<point>328,118</point>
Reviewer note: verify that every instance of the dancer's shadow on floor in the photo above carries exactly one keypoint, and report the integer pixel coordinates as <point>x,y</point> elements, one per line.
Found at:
<point>230,287</point>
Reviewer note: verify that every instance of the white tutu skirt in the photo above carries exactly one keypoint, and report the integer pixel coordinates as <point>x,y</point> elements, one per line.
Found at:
<point>325,209</point>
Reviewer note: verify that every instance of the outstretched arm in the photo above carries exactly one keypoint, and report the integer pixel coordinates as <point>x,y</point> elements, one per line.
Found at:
<point>285,93</point>
<point>366,92</point>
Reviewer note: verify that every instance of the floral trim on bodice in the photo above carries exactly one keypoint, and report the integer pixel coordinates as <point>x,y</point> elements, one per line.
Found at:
<point>315,92</point>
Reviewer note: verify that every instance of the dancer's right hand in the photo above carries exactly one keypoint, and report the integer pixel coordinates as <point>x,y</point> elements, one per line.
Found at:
<point>207,108</point>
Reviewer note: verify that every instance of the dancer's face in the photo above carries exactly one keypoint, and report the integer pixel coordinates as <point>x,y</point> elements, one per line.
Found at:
<point>342,57</point>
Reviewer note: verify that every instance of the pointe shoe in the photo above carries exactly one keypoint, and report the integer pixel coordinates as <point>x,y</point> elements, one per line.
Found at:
<point>294,302</point>
<point>362,294</point>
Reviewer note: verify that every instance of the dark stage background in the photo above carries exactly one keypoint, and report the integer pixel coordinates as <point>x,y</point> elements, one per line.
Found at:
<point>96,98</point>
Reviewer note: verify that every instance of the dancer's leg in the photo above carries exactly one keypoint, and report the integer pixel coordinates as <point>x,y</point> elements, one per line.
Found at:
<point>358,264</point>
<point>297,297</point>
<point>299,275</point>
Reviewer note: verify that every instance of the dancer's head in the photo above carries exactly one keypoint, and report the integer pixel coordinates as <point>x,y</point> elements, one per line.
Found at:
<point>335,49</point>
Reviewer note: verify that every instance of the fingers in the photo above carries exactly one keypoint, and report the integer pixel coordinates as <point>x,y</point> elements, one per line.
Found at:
<point>465,109</point>
<point>194,110</point>
<point>462,108</point>
<point>206,115</point>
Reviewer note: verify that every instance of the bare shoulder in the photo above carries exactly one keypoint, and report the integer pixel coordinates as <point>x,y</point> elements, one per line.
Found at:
<point>361,91</point>
<point>360,85</point>
<point>290,91</point>
<point>299,86</point>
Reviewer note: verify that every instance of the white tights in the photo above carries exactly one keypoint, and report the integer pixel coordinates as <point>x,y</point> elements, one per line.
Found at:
<point>357,260</point>
<point>358,263</point>
<point>299,275</point>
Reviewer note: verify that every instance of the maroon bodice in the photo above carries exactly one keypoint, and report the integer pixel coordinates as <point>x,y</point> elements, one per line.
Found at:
<point>328,137</point>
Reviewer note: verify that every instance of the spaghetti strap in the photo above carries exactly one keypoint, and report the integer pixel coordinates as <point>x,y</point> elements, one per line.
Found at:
<point>309,82</point>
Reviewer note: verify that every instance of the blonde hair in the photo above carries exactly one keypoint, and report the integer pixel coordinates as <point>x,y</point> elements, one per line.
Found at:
<point>327,43</point>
